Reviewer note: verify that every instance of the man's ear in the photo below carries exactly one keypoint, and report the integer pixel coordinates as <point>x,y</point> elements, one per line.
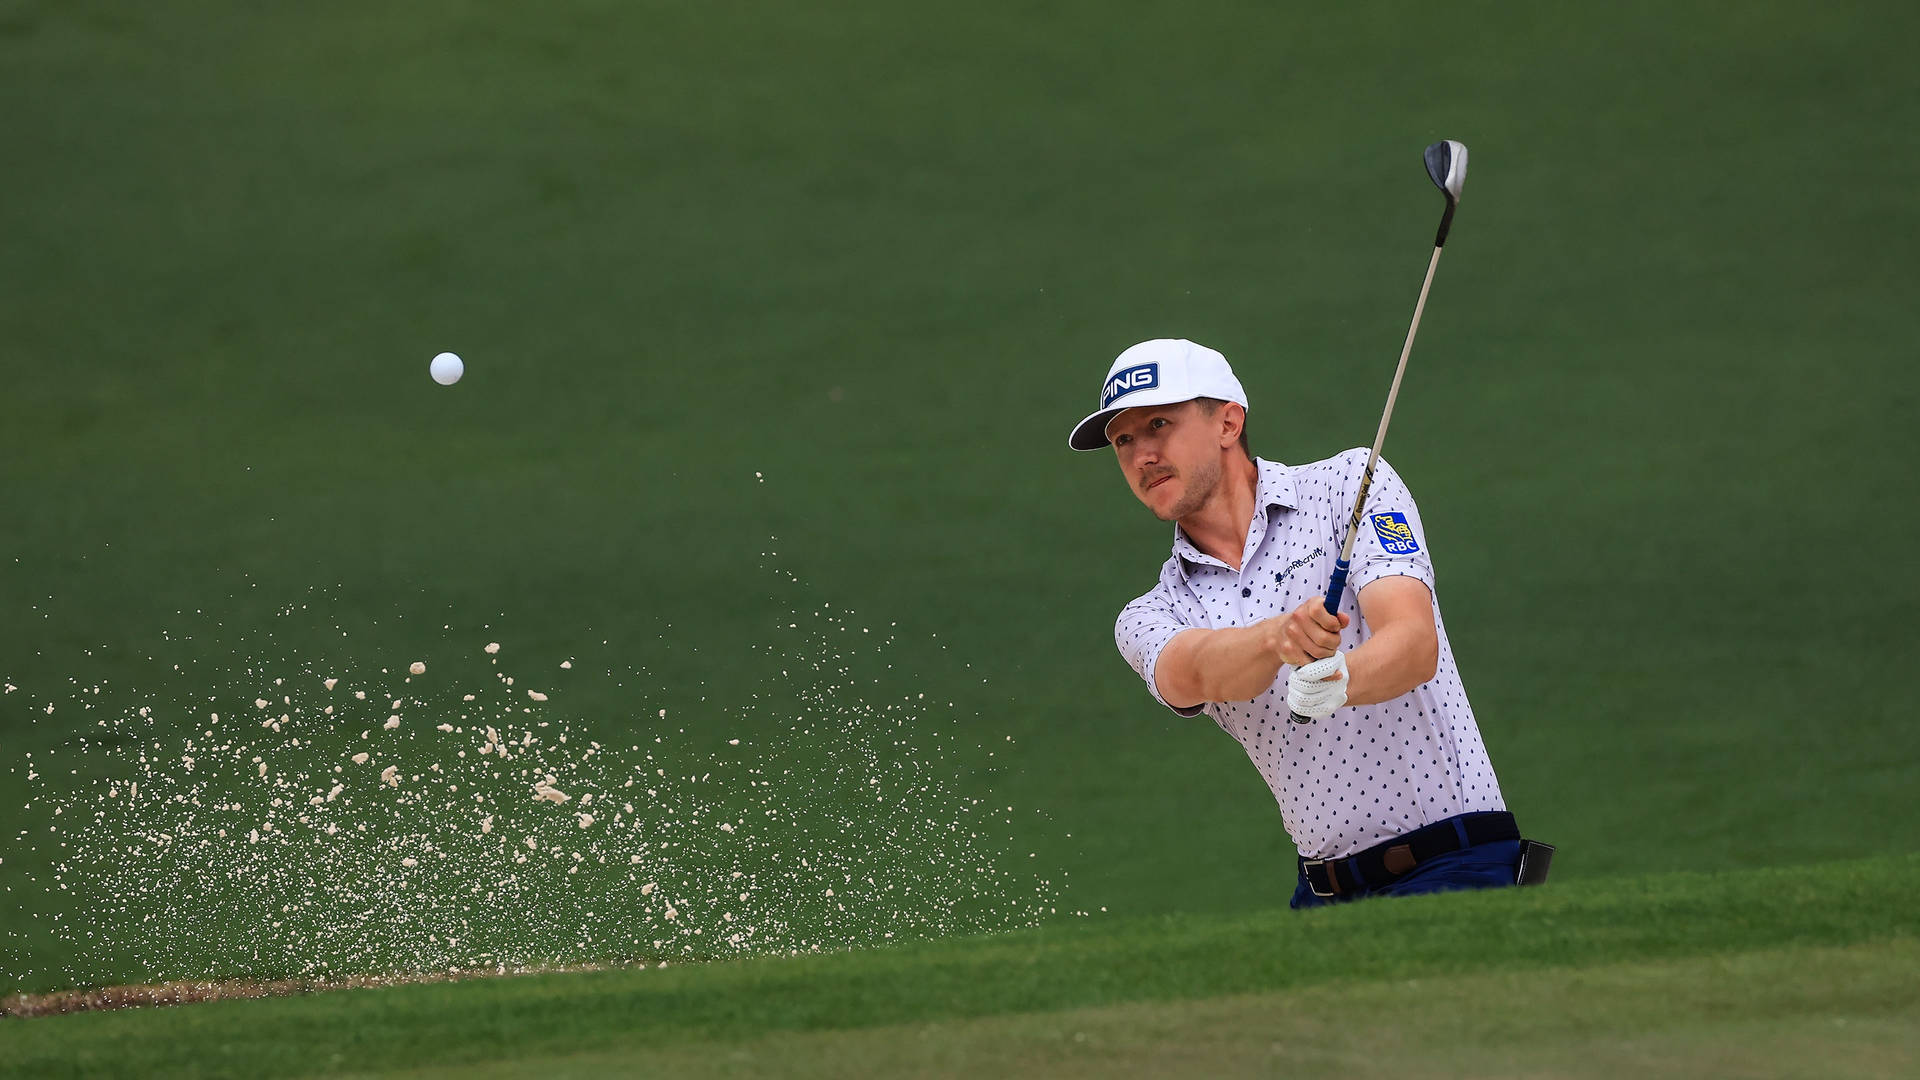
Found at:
<point>1233,421</point>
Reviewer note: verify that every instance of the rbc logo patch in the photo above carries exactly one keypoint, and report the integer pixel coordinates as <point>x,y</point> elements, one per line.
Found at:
<point>1396,536</point>
<point>1143,377</point>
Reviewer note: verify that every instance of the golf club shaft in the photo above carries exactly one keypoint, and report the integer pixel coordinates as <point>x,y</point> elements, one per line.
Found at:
<point>1337,584</point>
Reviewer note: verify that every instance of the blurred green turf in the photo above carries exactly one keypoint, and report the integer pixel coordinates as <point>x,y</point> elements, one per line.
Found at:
<point>1659,418</point>
<point>1558,940</point>
<point>1806,1012</point>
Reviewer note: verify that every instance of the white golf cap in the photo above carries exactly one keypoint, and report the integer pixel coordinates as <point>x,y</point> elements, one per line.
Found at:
<point>1158,372</point>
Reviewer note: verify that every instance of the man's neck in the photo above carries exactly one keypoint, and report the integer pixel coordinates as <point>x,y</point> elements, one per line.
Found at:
<point>1220,527</point>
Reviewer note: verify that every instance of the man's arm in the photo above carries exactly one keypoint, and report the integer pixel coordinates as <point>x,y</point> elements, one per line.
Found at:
<point>1235,664</point>
<point>1241,663</point>
<point>1403,650</point>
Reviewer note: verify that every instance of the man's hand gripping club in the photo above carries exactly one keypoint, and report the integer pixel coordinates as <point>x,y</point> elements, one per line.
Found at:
<point>1309,642</point>
<point>1239,664</point>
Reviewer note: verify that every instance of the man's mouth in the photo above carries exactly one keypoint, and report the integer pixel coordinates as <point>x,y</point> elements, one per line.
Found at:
<point>1160,481</point>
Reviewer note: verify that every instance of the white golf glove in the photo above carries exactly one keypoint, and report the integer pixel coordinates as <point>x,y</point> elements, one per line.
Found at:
<point>1308,695</point>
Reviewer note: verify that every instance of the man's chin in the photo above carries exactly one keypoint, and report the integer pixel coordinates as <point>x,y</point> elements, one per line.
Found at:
<point>1164,503</point>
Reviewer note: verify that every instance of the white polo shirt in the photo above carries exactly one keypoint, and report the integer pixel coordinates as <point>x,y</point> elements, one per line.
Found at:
<point>1368,772</point>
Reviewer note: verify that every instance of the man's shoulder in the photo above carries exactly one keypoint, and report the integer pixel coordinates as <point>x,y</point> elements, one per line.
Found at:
<point>1162,590</point>
<point>1333,473</point>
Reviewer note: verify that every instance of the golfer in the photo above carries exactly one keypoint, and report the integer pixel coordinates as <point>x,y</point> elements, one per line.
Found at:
<point>1386,788</point>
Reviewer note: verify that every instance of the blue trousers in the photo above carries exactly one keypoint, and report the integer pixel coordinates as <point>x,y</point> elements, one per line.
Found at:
<point>1484,866</point>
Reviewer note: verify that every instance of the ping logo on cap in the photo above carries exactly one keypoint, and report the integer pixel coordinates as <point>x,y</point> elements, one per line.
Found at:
<point>1141,377</point>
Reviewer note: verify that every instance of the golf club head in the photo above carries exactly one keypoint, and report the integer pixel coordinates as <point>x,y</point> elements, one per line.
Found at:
<point>1447,166</point>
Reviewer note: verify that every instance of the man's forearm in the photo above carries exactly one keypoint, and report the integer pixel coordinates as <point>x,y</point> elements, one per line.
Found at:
<point>1394,660</point>
<point>1241,663</point>
<point>1235,664</point>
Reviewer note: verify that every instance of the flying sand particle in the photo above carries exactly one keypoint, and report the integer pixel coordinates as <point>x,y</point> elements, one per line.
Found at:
<point>392,722</point>
<point>492,647</point>
<point>416,668</point>
<point>359,836</point>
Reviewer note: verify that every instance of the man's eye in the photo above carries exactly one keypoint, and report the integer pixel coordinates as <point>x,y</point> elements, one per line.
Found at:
<point>1159,422</point>
<point>1122,440</point>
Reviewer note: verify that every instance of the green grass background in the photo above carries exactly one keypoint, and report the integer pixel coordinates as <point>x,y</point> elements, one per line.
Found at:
<point>1659,418</point>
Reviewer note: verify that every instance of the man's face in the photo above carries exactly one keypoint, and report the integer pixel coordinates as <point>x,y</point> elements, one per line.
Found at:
<point>1170,455</point>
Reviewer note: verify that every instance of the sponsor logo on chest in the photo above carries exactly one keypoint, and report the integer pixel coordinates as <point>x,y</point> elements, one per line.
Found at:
<point>1281,575</point>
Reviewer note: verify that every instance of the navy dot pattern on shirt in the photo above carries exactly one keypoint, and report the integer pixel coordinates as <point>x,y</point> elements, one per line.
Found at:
<point>1366,773</point>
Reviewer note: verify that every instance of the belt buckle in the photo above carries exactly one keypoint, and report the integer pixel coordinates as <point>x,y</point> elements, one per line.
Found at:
<point>1331,879</point>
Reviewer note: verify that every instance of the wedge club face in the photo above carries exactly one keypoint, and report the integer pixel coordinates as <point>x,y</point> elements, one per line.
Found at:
<point>1447,167</point>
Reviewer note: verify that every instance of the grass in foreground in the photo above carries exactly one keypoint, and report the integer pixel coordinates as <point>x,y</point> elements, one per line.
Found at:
<point>1600,939</point>
<point>1812,1012</point>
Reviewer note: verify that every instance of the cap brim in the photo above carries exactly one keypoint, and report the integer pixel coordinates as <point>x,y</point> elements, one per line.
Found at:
<point>1091,433</point>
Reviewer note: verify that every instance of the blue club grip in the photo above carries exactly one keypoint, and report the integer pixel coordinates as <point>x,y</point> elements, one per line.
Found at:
<point>1337,585</point>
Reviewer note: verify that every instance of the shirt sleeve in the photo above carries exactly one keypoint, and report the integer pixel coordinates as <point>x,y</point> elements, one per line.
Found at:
<point>1143,630</point>
<point>1392,542</point>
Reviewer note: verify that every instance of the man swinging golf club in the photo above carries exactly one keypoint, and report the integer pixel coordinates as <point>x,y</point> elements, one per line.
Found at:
<point>1348,703</point>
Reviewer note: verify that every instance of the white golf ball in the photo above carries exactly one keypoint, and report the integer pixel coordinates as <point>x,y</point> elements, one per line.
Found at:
<point>446,369</point>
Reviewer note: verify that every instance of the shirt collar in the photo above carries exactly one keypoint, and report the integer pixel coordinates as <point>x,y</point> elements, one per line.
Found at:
<point>1273,490</point>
